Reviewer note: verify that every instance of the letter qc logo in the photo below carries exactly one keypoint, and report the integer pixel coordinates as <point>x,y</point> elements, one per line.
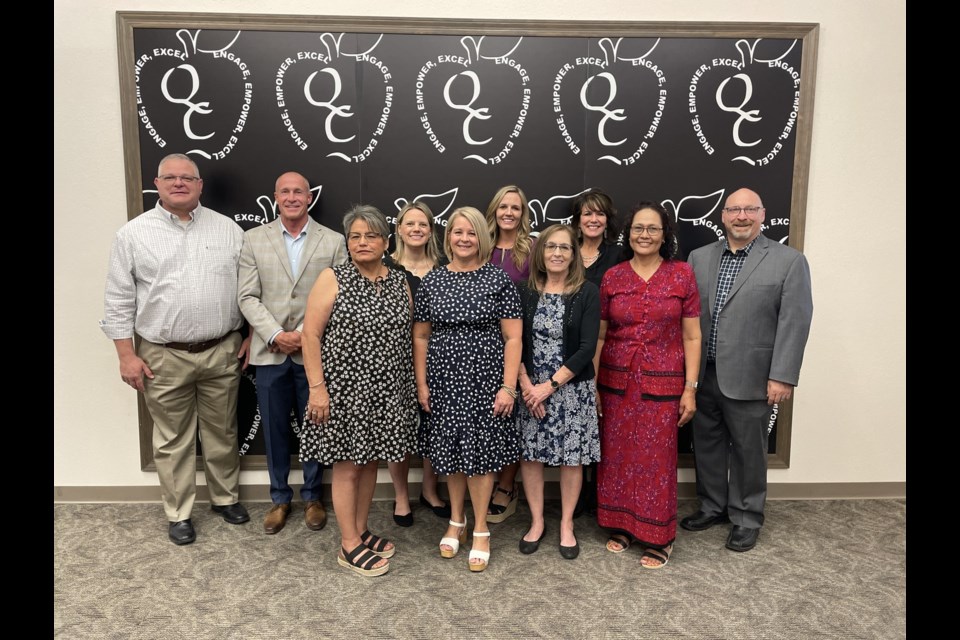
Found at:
<point>474,103</point>
<point>623,100</point>
<point>755,99</point>
<point>315,91</point>
<point>188,96</point>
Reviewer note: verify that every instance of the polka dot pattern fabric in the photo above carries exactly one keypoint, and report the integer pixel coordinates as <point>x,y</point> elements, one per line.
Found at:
<point>465,369</point>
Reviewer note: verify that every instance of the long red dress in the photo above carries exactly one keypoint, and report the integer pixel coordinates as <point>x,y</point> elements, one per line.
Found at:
<point>640,380</point>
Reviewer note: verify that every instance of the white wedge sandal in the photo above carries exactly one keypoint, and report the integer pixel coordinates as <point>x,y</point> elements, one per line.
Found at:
<point>454,543</point>
<point>484,556</point>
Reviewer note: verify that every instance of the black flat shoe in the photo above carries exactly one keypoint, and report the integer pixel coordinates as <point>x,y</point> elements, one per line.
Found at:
<point>442,511</point>
<point>404,520</point>
<point>570,552</point>
<point>528,547</point>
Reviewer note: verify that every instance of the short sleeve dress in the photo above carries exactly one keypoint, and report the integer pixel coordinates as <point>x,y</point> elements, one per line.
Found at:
<point>641,379</point>
<point>465,369</point>
<point>367,353</point>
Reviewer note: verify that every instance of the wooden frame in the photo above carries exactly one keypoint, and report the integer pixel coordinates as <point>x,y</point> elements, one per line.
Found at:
<point>807,33</point>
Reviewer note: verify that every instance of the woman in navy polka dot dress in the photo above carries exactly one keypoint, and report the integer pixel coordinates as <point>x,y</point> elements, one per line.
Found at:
<point>466,357</point>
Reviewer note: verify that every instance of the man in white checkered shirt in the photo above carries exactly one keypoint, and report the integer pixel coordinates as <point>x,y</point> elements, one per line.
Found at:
<point>172,280</point>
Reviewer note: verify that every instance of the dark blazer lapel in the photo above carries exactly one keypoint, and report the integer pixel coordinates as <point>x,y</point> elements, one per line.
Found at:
<point>757,254</point>
<point>716,253</point>
<point>275,237</point>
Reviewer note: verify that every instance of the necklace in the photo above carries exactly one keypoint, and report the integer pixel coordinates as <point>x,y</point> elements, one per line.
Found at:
<point>587,261</point>
<point>420,269</point>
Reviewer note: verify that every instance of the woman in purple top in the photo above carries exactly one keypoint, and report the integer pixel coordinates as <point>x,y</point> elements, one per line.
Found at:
<point>508,219</point>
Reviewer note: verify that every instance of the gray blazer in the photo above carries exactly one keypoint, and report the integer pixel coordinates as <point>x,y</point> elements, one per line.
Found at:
<point>271,297</point>
<point>765,322</point>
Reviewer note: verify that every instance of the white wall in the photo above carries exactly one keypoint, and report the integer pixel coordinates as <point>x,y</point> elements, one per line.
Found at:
<point>849,418</point>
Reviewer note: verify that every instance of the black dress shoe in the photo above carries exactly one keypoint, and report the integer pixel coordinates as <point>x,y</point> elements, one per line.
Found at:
<point>233,513</point>
<point>700,521</point>
<point>442,511</point>
<point>182,532</point>
<point>528,547</point>
<point>570,552</point>
<point>742,539</point>
<point>405,520</point>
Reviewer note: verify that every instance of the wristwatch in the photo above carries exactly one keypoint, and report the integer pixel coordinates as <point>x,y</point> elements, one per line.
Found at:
<point>554,384</point>
<point>693,384</point>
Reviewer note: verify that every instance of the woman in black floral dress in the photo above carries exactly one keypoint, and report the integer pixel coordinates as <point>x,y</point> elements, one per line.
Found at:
<point>357,352</point>
<point>558,418</point>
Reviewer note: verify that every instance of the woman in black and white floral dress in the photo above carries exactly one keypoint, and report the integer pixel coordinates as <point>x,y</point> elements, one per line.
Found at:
<point>466,356</point>
<point>558,418</point>
<point>357,352</point>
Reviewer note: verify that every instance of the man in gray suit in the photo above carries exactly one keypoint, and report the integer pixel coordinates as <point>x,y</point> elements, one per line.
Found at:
<point>279,263</point>
<point>755,316</point>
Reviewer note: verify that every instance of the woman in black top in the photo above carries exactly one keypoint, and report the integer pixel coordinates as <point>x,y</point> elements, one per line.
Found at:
<point>416,254</point>
<point>595,220</point>
<point>558,418</point>
<point>598,235</point>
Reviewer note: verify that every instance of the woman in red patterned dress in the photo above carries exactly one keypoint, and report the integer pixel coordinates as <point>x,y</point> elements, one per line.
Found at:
<point>649,361</point>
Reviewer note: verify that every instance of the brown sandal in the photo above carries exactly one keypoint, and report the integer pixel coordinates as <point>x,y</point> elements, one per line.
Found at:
<point>659,555</point>
<point>620,540</point>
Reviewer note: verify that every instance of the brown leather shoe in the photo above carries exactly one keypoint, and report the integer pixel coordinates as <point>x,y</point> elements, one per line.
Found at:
<point>314,515</point>
<point>276,518</point>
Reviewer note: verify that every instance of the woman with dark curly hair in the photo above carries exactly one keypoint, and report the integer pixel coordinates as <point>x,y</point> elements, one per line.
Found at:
<point>649,360</point>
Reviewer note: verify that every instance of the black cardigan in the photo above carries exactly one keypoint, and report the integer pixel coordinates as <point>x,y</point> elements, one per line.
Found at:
<point>581,326</point>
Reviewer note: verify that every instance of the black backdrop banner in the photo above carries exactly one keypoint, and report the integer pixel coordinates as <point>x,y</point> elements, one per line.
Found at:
<point>386,111</point>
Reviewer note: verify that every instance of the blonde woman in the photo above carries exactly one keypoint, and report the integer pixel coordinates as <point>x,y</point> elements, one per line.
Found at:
<point>508,220</point>
<point>467,344</point>
<point>416,254</point>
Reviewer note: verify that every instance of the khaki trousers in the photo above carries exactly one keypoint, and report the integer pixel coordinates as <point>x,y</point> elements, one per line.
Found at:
<point>191,389</point>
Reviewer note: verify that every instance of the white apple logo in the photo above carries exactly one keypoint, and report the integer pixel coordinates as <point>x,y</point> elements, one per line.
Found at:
<point>602,93</point>
<point>180,89</point>
<point>750,130</point>
<point>462,98</point>
<point>321,96</point>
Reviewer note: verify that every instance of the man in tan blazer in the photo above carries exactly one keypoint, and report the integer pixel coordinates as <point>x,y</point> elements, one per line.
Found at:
<point>279,263</point>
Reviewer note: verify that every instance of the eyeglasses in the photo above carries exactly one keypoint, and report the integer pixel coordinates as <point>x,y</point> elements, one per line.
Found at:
<point>369,236</point>
<point>638,230</point>
<point>735,211</point>
<point>170,179</point>
<point>552,247</point>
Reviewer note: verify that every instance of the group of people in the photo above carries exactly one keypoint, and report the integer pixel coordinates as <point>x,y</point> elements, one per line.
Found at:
<point>502,353</point>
